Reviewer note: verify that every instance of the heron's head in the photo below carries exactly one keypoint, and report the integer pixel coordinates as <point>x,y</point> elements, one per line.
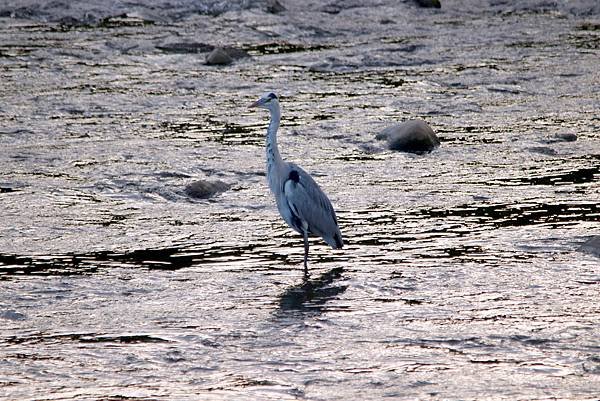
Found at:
<point>267,101</point>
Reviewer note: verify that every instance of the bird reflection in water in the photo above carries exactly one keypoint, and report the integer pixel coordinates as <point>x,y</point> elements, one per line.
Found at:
<point>312,294</point>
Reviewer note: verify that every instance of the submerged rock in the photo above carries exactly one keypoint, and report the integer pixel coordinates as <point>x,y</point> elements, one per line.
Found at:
<point>566,137</point>
<point>218,57</point>
<point>561,137</point>
<point>544,150</point>
<point>414,136</point>
<point>592,246</point>
<point>225,55</point>
<point>235,53</point>
<point>12,315</point>
<point>205,189</point>
<point>274,7</point>
<point>429,3</point>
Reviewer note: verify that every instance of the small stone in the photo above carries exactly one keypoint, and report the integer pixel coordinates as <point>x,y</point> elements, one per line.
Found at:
<point>429,3</point>
<point>235,53</point>
<point>561,137</point>
<point>592,246</point>
<point>566,137</point>
<point>205,189</point>
<point>274,7</point>
<point>12,315</point>
<point>218,57</point>
<point>413,136</point>
<point>544,150</point>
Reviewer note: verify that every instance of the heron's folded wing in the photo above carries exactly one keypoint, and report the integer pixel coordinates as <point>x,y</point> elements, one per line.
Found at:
<point>310,204</point>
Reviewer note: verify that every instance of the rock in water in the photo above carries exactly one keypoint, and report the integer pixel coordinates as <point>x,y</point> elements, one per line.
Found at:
<point>274,7</point>
<point>592,246</point>
<point>218,57</point>
<point>205,189</point>
<point>235,53</point>
<point>544,150</point>
<point>12,315</point>
<point>414,136</point>
<point>429,3</point>
<point>561,137</point>
<point>566,137</point>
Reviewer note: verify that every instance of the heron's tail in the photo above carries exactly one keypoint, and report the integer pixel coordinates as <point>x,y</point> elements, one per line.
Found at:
<point>336,241</point>
<point>339,242</point>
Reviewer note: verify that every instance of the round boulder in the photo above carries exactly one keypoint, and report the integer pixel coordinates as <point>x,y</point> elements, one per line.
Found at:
<point>413,136</point>
<point>218,56</point>
<point>205,189</point>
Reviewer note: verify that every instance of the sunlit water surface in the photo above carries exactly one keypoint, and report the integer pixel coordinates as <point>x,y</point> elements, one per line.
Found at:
<point>462,276</point>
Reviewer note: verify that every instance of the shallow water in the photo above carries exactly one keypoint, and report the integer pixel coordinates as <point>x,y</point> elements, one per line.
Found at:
<point>462,276</point>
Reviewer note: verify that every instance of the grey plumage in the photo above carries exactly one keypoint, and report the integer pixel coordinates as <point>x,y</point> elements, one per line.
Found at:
<point>300,200</point>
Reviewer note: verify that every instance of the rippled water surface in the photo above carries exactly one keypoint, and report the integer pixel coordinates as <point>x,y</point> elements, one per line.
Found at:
<point>463,275</point>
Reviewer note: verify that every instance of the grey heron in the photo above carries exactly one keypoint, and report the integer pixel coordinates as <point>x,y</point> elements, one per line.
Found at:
<point>300,200</point>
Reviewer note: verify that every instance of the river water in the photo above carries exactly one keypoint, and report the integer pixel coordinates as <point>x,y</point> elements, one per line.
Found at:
<point>463,275</point>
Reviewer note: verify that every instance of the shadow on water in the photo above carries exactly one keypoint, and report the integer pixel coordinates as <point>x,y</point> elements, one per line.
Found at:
<point>385,228</point>
<point>65,265</point>
<point>170,258</point>
<point>283,48</point>
<point>514,215</point>
<point>212,130</point>
<point>577,176</point>
<point>312,294</point>
<point>45,338</point>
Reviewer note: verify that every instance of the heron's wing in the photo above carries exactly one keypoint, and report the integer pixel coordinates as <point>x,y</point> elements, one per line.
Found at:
<point>309,204</point>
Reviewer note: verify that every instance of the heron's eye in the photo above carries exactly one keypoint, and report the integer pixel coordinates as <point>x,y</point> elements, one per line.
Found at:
<point>272,96</point>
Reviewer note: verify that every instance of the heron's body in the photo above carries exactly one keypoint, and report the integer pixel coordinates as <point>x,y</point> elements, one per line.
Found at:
<point>300,200</point>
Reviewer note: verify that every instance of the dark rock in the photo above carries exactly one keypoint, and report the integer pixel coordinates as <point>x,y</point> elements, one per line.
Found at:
<point>429,3</point>
<point>331,9</point>
<point>561,137</point>
<point>218,57</point>
<point>225,55</point>
<point>12,315</point>
<point>68,21</point>
<point>414,136</point>
<point>274,7</point>
<point>235,53</point>
<point>206,189</point>
<point>198,47</point>
<point>592,246</point>
<point>544,150</point>
<point>566,137</point>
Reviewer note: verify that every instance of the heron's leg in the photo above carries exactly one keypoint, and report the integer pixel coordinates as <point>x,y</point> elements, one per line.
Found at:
<point>305,234</point>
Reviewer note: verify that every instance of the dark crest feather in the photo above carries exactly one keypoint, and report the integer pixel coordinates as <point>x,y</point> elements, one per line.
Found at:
<point>272,96</point>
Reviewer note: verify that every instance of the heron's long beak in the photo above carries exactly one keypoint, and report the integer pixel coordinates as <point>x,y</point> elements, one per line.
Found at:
<point>255,104</point>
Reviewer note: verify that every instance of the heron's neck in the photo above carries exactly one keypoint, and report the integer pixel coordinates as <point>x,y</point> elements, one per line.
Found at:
<point>273,157</point>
